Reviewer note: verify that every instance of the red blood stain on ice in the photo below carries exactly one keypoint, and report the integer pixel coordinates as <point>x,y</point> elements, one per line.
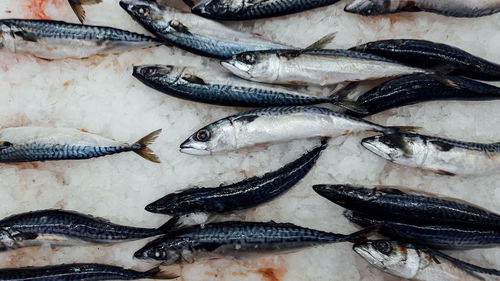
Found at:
<point>27,165</point>
<point>271,274</point>
<point>36,9</point>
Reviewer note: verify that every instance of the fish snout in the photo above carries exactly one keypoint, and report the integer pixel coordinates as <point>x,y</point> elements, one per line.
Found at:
<point>190,146</point>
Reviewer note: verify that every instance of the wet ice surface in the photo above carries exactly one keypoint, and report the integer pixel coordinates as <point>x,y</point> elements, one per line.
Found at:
<point>100,95</point>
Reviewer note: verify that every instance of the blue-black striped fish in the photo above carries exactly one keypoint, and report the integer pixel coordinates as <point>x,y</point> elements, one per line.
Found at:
<point>254,9</point>
<point>414,262</point>
<point>238,196</point>
<point>79,272</point>
<point>233,240</point>
<point>438,155</point>
<point>221,88</point>
<point>431,55</point>
<point>57,40</point>
<point>432,235</point>
<point>65,228</point>
<point>25,144</point>
<point>452,8</point>
<point>194,33</point>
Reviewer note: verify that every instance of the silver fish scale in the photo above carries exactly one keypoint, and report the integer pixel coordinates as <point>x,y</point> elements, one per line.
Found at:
<point>64,30</point>
<point>41,152</point>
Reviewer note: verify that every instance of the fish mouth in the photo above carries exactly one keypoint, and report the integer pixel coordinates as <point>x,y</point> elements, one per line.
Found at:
<point>159,207</point>
<point>200,8</point>
<point>190,147</point>
<point>126,5</point>
<point>237,68</point>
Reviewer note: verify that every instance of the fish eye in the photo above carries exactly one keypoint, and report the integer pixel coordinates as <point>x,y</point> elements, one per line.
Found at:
<point>151,71</point>
<point>203,135</point>
<point>160,254</point>
<point>142,11</point>
<point>384,247</point>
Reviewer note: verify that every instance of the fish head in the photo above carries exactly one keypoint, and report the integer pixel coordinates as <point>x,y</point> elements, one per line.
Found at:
<point>175,204</point>
<point>399,259</point>
<point>259,66</point>
<point>161,251</point>
<point>369,7</point>
<point>6,35</point>
<point>344,194</point>
<point>216,137</point>
<point>405,149</point>
<point>147,12</point>
<point>168,74</point>
<point>216,8</point>
<point>6,240</point>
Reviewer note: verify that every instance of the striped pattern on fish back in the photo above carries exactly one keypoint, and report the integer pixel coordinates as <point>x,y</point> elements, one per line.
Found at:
<point>72,224</point>
<point>42,152</point>
<point>483,147</point>
<point>265,8</point>
<point>64,30</point>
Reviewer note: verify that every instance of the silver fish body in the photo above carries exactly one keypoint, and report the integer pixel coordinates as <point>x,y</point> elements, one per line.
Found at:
<point>25,144</point>
<point>408,261</point>
<point>443,156</point>
<point>57,40</point>
<point>313,67</point>
<point>452,8</point>
<point>274,125</point>
<point>194,33</point>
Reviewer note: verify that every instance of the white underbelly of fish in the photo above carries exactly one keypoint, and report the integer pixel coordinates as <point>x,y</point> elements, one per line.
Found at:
<point>463,162</point>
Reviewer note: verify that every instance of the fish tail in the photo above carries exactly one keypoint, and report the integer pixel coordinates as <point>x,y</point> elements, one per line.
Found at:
<point>322,42</point>
<point>341,99</point>
<point>157,273</point>
<point>171,224</point>
<point>395,130</point>
<point>76,5</point>
<point>145,152</point>
<point>363,234</point>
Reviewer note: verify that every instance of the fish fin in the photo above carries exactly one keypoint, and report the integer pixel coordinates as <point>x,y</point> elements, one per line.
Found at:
<point>28,36</point>
<point>340,99</point>
<point>157,273</point>
<point>363,234</point>
<point>171,224</point>
<point>389,190</point>
<point>191,78</point>
<point>246,118</point>
<point>179,27</point>
<point>258,34</point>
<point>289,54</point>
<point>446,82</point>
<point>190,3</point>
<point>322,42</point>
<point>444,173</point>
<point>145,152</point>
<point>404,129</point>
<point>441,146</point>
<point>20,236</point>
<point>79,11</point>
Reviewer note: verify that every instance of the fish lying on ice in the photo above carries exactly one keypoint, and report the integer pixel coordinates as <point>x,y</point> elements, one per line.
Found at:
<point>417,88</point>
<point>65,228</point>
<point>238,196</point>
<point>81,271</point>
<point>417,263</point>
<point>194,33</point>
<point>452,8</point>
<point>313,66</point>
<point>25,144</point>
<point>432,55</point>
<point>222,88</point>
<point>235,240</point>
<point>76,5</point>
<point>439,155</point>
<point>432,235</point>
<point>410,206</point>
<point>254,9</point>
<point>57,40</point>
<point>275,125</point>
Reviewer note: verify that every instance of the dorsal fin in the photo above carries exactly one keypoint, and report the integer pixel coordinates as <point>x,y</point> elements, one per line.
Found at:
<point>191,78</point>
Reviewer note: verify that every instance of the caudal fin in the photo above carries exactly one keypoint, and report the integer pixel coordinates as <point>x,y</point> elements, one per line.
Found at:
<point>145,152</point>
<point>76,5</point>
<point>362,235</point>
<point>340,98</point>
<point>157,273</point>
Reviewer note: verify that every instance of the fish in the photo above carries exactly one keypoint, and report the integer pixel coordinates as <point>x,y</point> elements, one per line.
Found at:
<point>81,271</point>
<point>432,55</point>
<point>234,240</point>
<point>431,235</point>
<point>76,5</point>
<point>438,155</point>
<point>51,40</point>
<point>276,125</point>
<point>238,196</point>
<point>319,67</point>
<point>221,88</point>
<point>193,33</point>
<point>27,144</point>
<point>454,8</point>
<point>418,88</point>
<point>406,205</point>
<point>413,262</point>
<point>66,228</point>
<point>254,9</point>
